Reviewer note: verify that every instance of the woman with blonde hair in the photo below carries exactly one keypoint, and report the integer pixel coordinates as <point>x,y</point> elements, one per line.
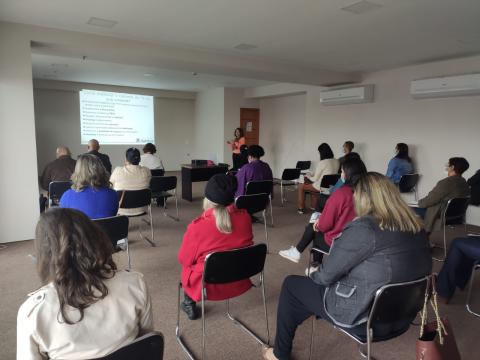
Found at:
<point>385,244</point>
<point>91,192</point>
<point>85,308</point>
<point>221,227</point>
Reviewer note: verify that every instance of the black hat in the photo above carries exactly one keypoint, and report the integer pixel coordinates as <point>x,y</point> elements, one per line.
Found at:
<point>133,156</point>
<point>221,189</point>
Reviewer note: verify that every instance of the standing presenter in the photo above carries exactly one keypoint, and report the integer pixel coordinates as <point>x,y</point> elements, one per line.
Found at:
<point>235,144</point>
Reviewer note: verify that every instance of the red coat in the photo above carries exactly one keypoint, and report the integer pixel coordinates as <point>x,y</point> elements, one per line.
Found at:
<point>201,238</point>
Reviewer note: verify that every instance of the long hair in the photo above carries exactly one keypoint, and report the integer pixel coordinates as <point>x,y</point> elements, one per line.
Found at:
<point>353,168</point>
<point>375,195</point>
<point>222,216</point>
<point>325,151</point>
<point>240,133</point>
<point>76,256</point>
<point>89,171</point>
<point>402,152</point>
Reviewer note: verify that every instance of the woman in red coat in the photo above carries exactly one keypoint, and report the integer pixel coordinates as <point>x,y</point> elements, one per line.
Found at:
<point>221,227</point>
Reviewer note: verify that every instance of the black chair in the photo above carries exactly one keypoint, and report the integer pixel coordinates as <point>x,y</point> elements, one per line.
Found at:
<point>165,187</point>
<point>224,267</point>
<point>157,172</point>
<point>131,199</point>
<point>475,267</point>
<point>116,227</point>
<point>261,187</point>
<point>393,304</point>
<point>254,203</point>
<point>453,214</point>
<point>289,178</point>
<point>147,347</point>
<point>303,166</point>
<point>329,180</point>
<point>56,190</point>
<point>408,183</point>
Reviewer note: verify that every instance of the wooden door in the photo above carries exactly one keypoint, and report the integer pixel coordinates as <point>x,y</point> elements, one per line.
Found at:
<point>250,123</point>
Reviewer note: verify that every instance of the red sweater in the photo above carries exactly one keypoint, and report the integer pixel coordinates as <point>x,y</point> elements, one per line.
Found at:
<point>201,238</point>
<point>338,211</point>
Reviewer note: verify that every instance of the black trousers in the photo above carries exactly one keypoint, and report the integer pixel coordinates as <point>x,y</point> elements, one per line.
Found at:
<point>318,239</point>
<point>300,298</point>
<point>237,161</point>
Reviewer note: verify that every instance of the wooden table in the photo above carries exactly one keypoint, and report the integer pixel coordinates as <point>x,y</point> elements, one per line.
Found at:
<point>196,173</point>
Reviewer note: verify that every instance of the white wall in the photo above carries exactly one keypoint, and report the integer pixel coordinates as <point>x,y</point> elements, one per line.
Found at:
<point>19,207</point>
<point>57,118</point>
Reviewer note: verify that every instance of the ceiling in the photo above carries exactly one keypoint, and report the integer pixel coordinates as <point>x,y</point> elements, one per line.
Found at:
<point>305,33</point>
<point>50,67</point>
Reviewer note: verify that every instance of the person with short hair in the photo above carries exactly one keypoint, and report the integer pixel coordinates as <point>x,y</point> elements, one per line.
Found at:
<point>131,176</point>
<point>327,165</point>
<point>348,150</point>
<point>59,169</point>
<point>400,165</point>
<point>235,145</point>
<point>221,227</point>
<point>149,159</point>
<point>86,308</point>
<point>90,192</point>
<point>93,146</point>
<point>255,170</point>
<point>385,244</point>
<point>454,185</point>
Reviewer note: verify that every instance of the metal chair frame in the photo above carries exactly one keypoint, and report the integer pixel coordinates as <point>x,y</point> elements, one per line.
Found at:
<point>228,314</point>
<point>169,194</point>
<point>302,165</point>
<point>115,241</point>
<point>269,195</point>
<point>413,188</point>
<point>476,266</point>
<point>123,353</point>
<point>371,317</point>
<point>263,214</point>
<point>289,178</point>
<point>312,251</point>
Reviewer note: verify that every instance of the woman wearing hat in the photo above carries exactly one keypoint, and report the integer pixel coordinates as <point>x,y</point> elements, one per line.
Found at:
<point>221,227</point>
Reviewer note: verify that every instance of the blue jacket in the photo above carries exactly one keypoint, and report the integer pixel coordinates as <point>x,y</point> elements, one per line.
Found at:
<point>397,168</point>
<point>95,203</point>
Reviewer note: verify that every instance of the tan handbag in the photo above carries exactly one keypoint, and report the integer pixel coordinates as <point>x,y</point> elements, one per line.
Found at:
<point>436,341</point>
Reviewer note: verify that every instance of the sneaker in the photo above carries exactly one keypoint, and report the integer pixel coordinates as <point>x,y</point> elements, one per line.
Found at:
<point>291,254</point>
<point>310,270</point>
<point>267,353</point>
<point>190,310</point>
<point>301,211</point>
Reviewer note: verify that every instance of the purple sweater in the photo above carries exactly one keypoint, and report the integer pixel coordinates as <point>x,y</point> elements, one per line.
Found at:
<point>253,171</point>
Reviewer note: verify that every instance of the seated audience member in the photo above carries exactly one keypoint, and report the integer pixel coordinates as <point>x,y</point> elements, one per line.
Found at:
<point>385,244</point>
<point>75,314</point>
<point>221,227</point>
<point>59,169</point>
<point>474,183</point>
<point>93,147</point>
<point>399,165</point>
<point>337,212</point>
<point>457,268</point>
<point>131,176</point>
<point>453,186</point>
<point>90,192</point>
<point>255,170</point>
<point>149,159</point>
<point>327,165</point>
<point>347,150</point>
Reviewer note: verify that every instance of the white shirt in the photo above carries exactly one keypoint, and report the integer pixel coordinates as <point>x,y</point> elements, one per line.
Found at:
<point>150,161</point>
<point>108,324</point>
<point>324,167</point>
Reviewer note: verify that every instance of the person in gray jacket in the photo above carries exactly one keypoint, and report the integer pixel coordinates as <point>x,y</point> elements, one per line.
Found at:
<point>385,244</point>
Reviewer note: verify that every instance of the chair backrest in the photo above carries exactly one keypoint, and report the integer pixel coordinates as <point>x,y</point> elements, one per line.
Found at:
<point>157,172</point>
<point>233,265</point>
<point>147,347</point>
<point>56,190</point>
<point>259,187</point>
<point>291,174</point>
<point>198,162</point>
<point>408,182</point>
<point>397,302</point>
<point>116,227</point>
<point>252,203</point>
<point>329,180</point>
<point>303,165</point>
<point>455,211</point>
<point>163,183</point>
<point>134,198</point>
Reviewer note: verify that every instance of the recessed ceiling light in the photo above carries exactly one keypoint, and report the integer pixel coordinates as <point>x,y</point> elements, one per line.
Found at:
<point>245,47</point>
<point>101,22</point>
<point>361,7</point>
<point>148,74</point>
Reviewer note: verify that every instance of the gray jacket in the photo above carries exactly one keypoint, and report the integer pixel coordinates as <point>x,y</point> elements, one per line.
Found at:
<point>362,260</point>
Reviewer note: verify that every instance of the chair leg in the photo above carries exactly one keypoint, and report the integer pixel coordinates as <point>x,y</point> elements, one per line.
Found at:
<point>265,226</point>
<point>128,254</point>
<point>176,205</point>
<point>271,210</point>
<point>444,245</point>
<point>467,305</point>
<point>262,276</point>
<point>281,193</point>
<point>311,338</point>
<point>177,328</point>
<point>203,325</point>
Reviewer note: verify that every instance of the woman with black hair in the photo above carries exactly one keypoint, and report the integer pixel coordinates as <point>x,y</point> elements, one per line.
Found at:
<point>400,165</point>
<point>338,211</point>
<point>235,145</point>
<point>327,165</point>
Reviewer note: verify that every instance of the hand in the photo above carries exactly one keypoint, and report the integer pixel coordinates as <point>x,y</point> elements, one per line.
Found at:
<point>229,142</point>
<point>315,224</point>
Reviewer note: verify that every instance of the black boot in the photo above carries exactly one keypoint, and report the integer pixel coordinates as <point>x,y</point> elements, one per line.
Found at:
<point>189,307</point>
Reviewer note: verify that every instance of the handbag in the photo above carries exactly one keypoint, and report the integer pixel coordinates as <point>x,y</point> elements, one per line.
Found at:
<point>436,341</point>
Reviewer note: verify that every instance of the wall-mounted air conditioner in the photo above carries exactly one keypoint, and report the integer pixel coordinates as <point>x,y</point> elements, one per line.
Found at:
<point>447,86</point>
<point>358,94</point>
